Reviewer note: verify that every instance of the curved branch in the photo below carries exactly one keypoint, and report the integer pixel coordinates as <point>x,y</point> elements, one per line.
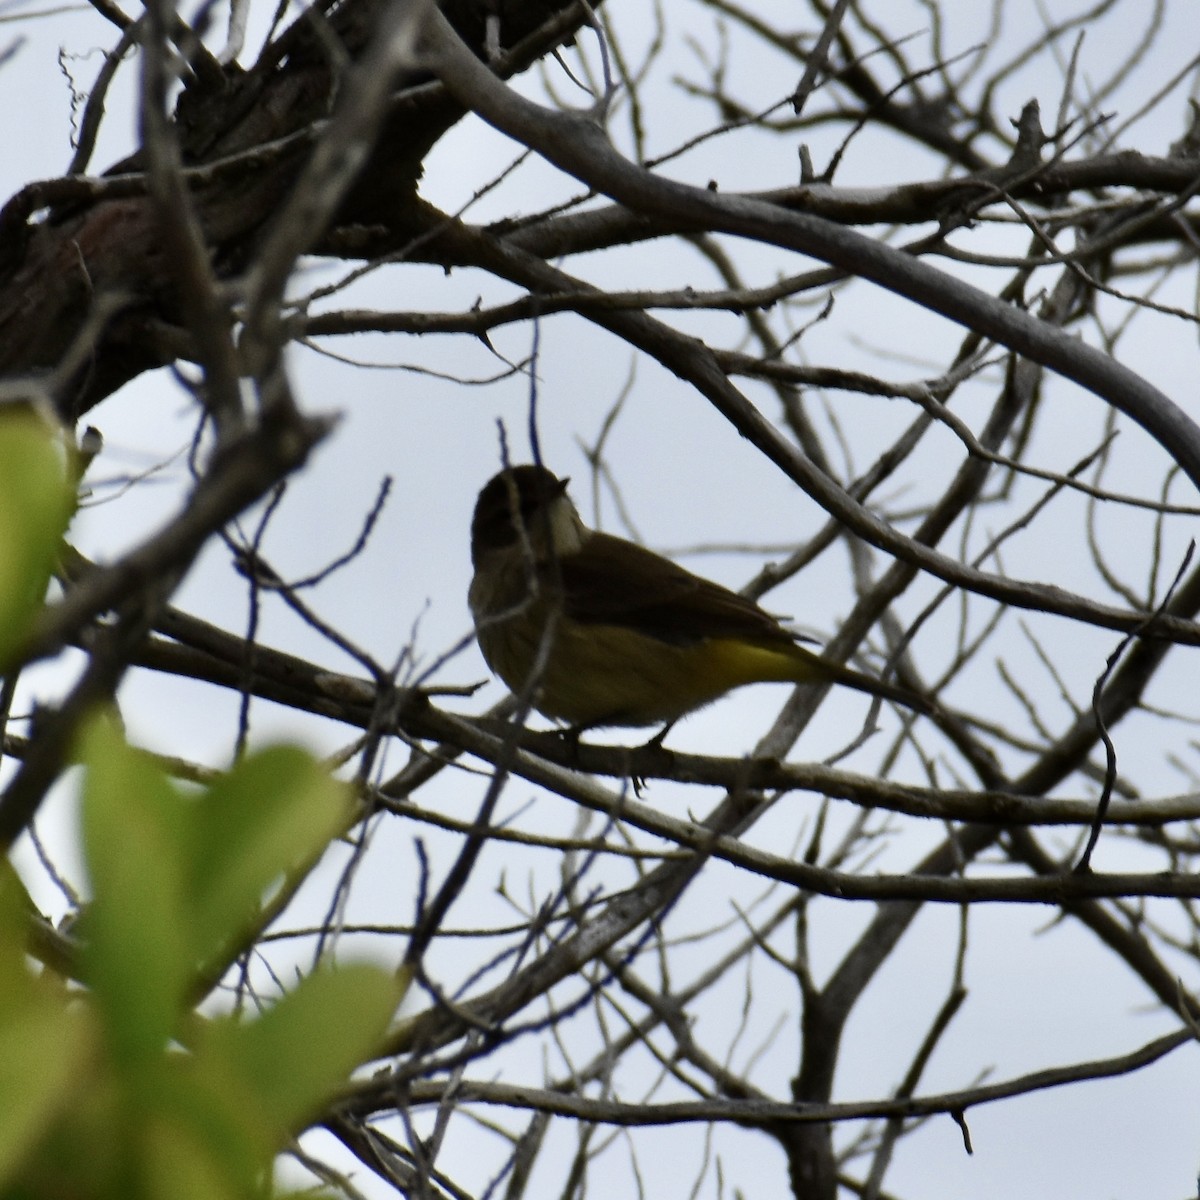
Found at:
<point>379,1096</point>
<point>577,144</point>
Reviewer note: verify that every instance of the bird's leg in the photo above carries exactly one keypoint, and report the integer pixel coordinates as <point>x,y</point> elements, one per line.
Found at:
<point>656,742</point>
<point>571,735</point>
<point>652,746</point>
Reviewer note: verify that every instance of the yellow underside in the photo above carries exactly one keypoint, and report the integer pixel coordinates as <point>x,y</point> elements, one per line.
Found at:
<point>608,675</point>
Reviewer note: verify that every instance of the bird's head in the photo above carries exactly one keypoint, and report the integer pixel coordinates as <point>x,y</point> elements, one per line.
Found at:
<point>525,510</point>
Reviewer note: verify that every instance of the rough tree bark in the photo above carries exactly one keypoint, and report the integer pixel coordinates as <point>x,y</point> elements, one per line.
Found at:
<point>243,137</point>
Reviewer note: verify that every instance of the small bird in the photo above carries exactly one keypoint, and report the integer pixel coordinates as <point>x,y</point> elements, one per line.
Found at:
<point>614,633</point>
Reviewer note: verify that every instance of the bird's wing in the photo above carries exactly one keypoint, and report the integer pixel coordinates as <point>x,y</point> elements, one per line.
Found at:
<point>615,582</point>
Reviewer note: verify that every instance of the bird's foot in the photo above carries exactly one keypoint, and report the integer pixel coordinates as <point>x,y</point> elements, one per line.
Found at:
<point>652,750</point>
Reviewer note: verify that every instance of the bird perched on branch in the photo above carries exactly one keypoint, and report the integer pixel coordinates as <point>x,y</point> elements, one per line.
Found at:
<point>595,630</point>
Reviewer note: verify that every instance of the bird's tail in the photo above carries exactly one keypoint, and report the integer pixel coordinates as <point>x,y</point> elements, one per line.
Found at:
<point>813,668</point>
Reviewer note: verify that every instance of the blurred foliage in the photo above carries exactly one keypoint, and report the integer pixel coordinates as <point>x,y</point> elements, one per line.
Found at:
<point>120,1088</point>
<point>37,498</point>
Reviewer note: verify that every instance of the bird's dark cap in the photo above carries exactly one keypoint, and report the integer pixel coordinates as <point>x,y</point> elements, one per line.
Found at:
<point>508,503</point>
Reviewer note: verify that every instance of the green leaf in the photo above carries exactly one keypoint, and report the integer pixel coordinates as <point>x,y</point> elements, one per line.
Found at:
<point>181,1165</point>
<point>202,1134</point>
<point>37,496</point>
<point>16,983</point>
<point>44,1045</point>
<point>41,1052</point>
<point>300,1051</point>
<point>137,934</point>
<point>86,1151</point>
<point>274,811</point>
